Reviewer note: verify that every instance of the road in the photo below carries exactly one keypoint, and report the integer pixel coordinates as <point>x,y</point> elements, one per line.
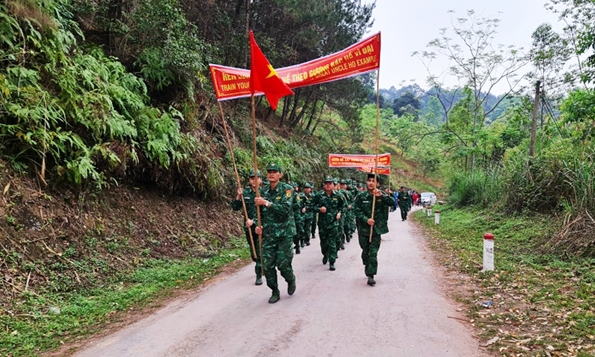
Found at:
<point>332,313</point>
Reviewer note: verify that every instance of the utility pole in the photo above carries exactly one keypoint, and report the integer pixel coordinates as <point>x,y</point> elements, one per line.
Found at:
<point>534,123</point>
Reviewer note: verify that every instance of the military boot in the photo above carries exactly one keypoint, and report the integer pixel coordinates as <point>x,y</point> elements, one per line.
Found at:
<point>258,280</point>
<point>291,287</point>
<point>274,298</point>
<point>371,280</point>
<point>332,266</point>
<point>324,260</point>
<point>297,249</point>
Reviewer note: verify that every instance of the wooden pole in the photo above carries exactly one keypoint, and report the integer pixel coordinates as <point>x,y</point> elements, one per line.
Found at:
<point>256,170</point>
<point>235,170</point>
<point>376,161</point>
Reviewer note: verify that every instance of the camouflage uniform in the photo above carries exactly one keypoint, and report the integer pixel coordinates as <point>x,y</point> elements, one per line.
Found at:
<point>348,218</point>
<point>278,229</point>
<point>314,215</point>
<point>363,212</point>
<point>328,224</point>
<point>248,195</point>
<point>298,203</point>
<point>310,215</point>
<point>403,199</point>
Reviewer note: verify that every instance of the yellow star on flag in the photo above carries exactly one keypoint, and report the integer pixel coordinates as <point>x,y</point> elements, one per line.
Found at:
<point>273,72</point>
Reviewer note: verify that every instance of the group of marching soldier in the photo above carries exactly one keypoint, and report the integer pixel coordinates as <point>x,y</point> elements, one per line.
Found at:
<point>289,217</point>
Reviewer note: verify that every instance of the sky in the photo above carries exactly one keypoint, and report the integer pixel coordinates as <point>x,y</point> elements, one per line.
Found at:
<point>407,26</point>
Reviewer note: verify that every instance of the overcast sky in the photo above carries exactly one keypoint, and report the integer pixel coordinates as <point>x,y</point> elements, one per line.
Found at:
<point>408,26</point>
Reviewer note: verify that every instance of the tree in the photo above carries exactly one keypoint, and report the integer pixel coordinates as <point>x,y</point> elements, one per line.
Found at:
<point>407,103</point>
<point>549,54</point>
<point>477,65</point>
<point>431,114</point>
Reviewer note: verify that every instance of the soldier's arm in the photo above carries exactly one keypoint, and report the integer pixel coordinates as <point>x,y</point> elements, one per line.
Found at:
<point>236,204</point>
<point>388,200</point>
<point>281,205</point>
<point>359,211</point>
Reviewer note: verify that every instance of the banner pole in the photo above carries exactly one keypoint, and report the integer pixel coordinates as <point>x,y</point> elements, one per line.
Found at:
<point>376,161</point>
<point>256,171</point>
<point>235,170</point>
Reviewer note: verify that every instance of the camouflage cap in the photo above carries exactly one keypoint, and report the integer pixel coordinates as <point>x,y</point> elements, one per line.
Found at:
<point>252,173</point>
<point>343,181</point>
<point>273,166</point>
<point>307,185</point>
<point>328,178</point>
<point>335,181</point>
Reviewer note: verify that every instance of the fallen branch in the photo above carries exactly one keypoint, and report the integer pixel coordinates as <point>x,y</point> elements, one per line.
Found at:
<point>457,318</point>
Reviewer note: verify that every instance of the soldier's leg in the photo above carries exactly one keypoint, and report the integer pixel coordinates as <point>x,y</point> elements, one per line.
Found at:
<point>269,256</point>
<point>333,240</point>
<point>345,232</point>
<point>372,266</point>
<point>284,258</point>
<point>257,267</point>
<point>307,230</point>
<point>314,222</point>
<point>323,234</point>
<point>296,243</point>
<point>364,243</point>
<point>300,232</point>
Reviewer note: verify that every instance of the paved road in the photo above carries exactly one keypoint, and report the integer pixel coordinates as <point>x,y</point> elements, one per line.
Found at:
<point>331,313</point>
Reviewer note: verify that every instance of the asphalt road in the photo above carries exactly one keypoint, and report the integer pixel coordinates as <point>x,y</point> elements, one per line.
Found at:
<point>332,313</point>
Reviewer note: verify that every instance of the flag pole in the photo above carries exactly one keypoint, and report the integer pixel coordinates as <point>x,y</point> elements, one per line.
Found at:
<point>235,170</point>
<point>376,161</point>
<point>256,170</point>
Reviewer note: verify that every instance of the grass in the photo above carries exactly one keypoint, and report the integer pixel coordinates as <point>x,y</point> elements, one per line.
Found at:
<point>43,321</point>
<point>543,305</point>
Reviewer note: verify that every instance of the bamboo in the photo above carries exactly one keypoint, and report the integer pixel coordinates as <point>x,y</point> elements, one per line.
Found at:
<point>376,161</point>
<point>235,170</point>
<point>256,170</point>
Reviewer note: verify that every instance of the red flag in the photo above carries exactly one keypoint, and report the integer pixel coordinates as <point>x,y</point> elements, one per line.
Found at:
<point>264,78</point>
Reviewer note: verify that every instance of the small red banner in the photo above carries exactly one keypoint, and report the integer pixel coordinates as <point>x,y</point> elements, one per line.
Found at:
<point>379,171</point>
<point>362,57</point>
<point>347,160</point>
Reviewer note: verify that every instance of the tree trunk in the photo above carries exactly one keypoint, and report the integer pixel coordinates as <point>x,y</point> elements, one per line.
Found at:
<point>296,100</point>
<point>299,117</point>
<point>312,114</point>
<point>286,103</point>
<point>318,121</point>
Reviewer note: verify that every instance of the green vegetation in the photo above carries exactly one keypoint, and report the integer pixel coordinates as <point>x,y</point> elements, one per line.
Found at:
<point>541,301</point>
<point>46,319</point>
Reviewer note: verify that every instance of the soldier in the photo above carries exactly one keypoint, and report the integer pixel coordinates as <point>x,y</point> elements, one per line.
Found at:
<point>248,194</point>
<point>329,205</point>
<point>315,214</point>
<point>348,215</point>
<point>308,212</point>
<point>277,231</point>
<point>298,205</point>
<point>379,225</point>
<point>403,199</point>
<point>340,237</point>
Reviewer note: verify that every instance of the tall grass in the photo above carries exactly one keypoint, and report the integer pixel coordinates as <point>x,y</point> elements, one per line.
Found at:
<point>479,188</point>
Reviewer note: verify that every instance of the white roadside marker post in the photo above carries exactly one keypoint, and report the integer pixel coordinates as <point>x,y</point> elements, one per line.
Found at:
<point>488,252</point>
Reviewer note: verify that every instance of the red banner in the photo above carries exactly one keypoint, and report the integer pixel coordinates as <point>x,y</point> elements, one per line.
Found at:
<point>362,57</point>
<point>347,160</point>
<point>379,171</point>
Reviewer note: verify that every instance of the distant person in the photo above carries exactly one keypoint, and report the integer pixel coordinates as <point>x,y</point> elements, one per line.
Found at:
<point>248,194</point>
<point>365,223</point>
<point>308,212</point>
<point>277,231</point>
<point>404,202</point>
